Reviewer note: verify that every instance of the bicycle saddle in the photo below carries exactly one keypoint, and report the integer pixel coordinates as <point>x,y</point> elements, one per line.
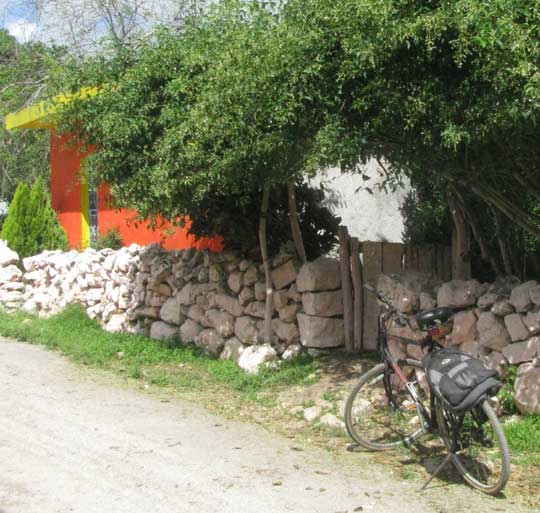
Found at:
<point>430,318</point>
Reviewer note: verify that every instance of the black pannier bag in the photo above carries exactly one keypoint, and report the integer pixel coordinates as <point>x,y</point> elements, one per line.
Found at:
<point>460,380</point>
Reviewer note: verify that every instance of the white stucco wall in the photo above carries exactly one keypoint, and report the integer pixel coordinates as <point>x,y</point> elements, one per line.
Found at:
<point>375,216</point>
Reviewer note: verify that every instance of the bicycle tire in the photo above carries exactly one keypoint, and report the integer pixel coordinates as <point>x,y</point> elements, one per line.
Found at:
<point>479,462</point>
<point>367,415</point>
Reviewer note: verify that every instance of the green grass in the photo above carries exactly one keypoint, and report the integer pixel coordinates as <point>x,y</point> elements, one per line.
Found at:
<point>523,437</point>
<point>161,363</point>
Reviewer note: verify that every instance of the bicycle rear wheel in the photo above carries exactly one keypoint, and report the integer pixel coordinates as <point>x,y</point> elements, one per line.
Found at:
<point>479,446</point>
<point>380,413</point>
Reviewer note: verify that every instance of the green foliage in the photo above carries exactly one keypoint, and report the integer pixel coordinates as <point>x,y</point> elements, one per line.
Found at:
<point>524,439</point>
<point>201,118</point>
<point>506,394</point>
<point>110,239</point>
<point>160,362</point>
<point>17,221</point>
<point>32,225</point>
<point>23,80</point>
<point>253,93</point>
<point>236,219</point>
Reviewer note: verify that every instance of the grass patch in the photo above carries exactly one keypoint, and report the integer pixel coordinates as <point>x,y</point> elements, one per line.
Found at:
<point>523,437</point>
<point>158,362</point>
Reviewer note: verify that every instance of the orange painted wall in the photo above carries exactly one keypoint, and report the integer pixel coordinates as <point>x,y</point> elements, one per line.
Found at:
<point>65,186</point>
<point>66,200</point>
<point>169,236</point>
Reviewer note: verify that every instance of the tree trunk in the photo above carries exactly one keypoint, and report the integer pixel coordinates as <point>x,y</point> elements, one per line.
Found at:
<point>461,242</point>
<point>269,310</point>
<point>477,232</point>
<point>346,287</point>
<point>358,308</point>
<point>295,225</point>
<point>502,244</point>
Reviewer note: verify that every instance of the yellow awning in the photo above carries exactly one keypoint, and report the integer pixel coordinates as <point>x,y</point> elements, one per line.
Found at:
<point>41,115</point>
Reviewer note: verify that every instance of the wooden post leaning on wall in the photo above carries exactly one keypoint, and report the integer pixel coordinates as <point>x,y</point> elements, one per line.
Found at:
<point>346,287</point>
<point>358,306</point>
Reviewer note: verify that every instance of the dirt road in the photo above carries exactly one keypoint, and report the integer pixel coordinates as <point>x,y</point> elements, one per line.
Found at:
<point>72,440</point>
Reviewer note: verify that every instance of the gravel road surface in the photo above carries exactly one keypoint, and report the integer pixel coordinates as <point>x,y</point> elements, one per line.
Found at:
<point>74,440</point>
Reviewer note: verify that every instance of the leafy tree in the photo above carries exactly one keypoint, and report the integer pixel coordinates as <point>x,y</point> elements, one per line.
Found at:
<point>17,221</point>
<point>23,80</point>
<point>45,231</point>
<point>445,92</point>
<point>31,225</point>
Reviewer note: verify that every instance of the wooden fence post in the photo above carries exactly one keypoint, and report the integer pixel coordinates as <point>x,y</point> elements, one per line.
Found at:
<point>346,287</point>
<point>358,307</point>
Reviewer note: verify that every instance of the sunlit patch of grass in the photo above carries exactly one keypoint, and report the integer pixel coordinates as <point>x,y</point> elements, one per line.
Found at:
<point>159,362</point>
<point>523,437</point>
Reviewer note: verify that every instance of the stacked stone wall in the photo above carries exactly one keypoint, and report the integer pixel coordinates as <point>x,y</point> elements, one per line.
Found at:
<point>498,322</point>
<point>214,300</point>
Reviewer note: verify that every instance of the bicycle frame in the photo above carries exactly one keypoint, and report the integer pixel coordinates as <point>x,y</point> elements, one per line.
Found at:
<point>427,418</point>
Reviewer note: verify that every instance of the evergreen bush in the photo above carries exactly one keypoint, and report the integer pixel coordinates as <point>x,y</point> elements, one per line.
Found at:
<point>32,225</point>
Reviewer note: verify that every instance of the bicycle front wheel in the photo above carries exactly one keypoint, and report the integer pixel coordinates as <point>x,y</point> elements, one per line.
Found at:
<point>479,446</point>
<point>380,413</point>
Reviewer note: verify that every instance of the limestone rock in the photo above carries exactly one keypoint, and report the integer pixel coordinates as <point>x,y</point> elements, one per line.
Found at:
<point>497,361</point>
<point>292,352</point>
<point>260,291</point>
<point>235,282</point>
<point>488,300</point>
<point>246,296</point>
<point>427,302</point>
<point>293,293</point>
<point>198,314</point>
<point>284,275</point>
<point>321,274</point>
<point>222,322</point>
<point>250,276</point>
<point>280,298</point>
<point>527,389</point>
<point>232,350</point>
<point>464,328</point>
<point>229,304</point>
<point>502,308</point>
<point>171,312</point>
<point>253,357</point>
<point>7,255</point>
<point>245,329</point>
<point>330,420</point>
<point>534,294</point>
<point>492,332</point>
<point>516,327</point>
<point>532,323</point>
<point>162,331</point>
<point>311,413</point>
<point>286,331</point>
<point>520,352</point>
<point>459,293</point>
<point>326,304</point>
<point>116,323</point>
<point>210,341</point>
<point>288,313</point>
<point>189,331</point>
<point>321,332</point>
<point>10,273</point>
<point>521,298</point>
<point>255,309</point>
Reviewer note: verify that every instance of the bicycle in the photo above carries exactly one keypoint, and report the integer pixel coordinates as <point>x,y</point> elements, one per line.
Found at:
<point>393,404</point>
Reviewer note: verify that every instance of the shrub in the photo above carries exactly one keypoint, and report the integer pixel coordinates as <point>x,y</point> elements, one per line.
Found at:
<point>110,239</point>
<point>32,225</point>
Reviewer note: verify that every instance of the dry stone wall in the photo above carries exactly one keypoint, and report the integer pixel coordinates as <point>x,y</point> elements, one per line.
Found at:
<point>213,300</point>
<point>499,322</point>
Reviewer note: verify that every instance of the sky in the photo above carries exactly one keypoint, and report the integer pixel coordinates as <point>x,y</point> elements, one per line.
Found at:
<point>19,18</point>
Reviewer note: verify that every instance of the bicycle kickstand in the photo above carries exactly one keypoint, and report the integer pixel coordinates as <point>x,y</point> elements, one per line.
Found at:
<point>447,458</point>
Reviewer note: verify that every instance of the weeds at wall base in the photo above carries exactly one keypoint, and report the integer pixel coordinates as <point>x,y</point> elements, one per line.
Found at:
<point>161,363</point>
